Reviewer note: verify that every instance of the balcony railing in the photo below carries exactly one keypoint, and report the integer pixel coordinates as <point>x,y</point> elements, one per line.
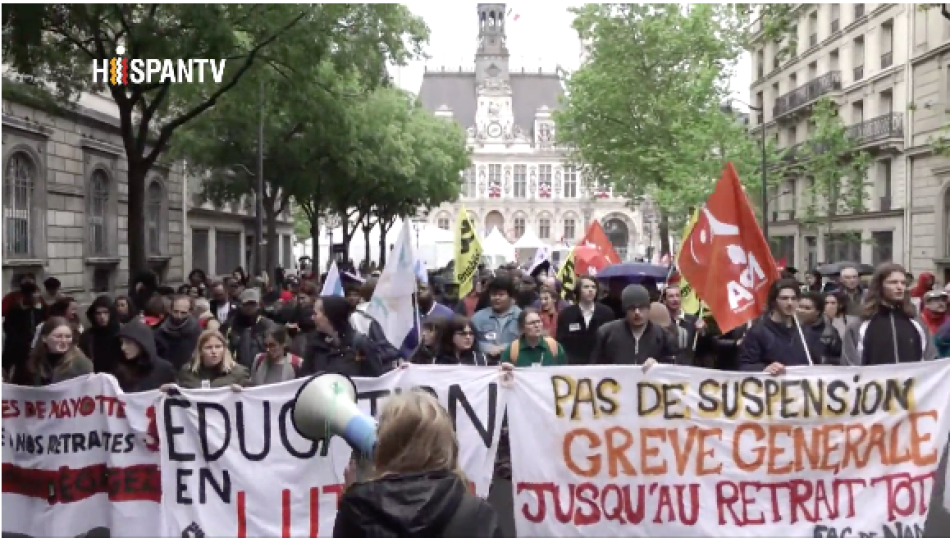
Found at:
<point>887,59</point>
<point>813,89</point>
<point>858,73</point>
<point>858,11</point>
<point>835,26</point>
<point>886,126</point>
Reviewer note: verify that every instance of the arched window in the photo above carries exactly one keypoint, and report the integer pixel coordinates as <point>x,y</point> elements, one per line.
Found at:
<point>153,217</point>
<point>96,218</point>
<point>19,181</point>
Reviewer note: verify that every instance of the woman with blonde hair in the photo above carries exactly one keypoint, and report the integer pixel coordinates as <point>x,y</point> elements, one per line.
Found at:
<point>419,489</point>
<point>212,366</point>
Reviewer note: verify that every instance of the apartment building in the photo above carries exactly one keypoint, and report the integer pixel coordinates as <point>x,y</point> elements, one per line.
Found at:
<point>928,174</point>
<point>65,198</point>
<point>857,54</point>
<point>221,237</point>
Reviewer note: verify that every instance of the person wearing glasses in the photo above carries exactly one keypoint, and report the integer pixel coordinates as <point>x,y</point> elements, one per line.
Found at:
<point>277,364</point>
<point>55,358</point>
<point>456,344</point>
<point>532,348</point>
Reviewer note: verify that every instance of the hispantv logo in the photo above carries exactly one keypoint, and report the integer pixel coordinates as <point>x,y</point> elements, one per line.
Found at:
<point>122,71</point>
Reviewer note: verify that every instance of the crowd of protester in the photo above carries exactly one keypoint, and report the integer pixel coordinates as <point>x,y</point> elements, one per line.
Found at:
<point>240,332</point>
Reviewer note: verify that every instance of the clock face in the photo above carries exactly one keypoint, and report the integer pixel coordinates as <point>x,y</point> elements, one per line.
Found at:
<point>494,130</point>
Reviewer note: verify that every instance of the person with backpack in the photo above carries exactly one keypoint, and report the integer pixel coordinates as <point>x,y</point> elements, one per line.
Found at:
<point>532,348</point>
<point>277,364</point>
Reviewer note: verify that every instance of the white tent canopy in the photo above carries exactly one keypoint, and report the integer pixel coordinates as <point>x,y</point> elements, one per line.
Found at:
<point>529,240</point>
<point>497,249</point>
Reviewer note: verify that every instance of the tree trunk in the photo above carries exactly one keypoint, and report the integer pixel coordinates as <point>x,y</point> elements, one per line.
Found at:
<point>664,235</point>
<point>383,230</point>
<point>272,249</point>
<point>366,249</point>
<point>315,246</point>
<point>138,253</point>
<point>348,230</point>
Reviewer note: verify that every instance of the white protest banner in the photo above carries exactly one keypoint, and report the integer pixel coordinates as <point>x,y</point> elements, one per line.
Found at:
<point>72,462</point>
<point>233,464</point>
<point>820,452</point>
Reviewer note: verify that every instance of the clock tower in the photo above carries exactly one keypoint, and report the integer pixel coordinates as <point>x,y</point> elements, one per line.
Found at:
<point>494,121</point>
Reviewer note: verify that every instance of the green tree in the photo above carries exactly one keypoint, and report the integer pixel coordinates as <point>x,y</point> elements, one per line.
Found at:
<point>56,44</point>
<point>441,154</point>
<point>292,113</point>
<point>301,226</point>
<point>643,112</point>
<point>833,168</point>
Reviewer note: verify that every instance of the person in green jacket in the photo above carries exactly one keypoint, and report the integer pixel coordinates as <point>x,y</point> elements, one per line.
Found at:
<point>533,348</point>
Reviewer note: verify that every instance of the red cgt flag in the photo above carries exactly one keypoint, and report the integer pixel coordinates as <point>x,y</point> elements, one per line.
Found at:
<point>596,238</point>
<point>726,259</point>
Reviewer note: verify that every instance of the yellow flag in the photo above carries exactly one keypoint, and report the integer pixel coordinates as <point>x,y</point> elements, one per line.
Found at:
<point>468,252</point>
<point>567,276</point>
<point>690,302</point>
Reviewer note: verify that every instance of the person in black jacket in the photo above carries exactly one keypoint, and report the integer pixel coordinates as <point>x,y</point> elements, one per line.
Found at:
<point>177,335</point>
<point>817,328</point>
<point>246,329</point>
<point>335,346</point>
<point>417,487</point>
<point>140,368</point>
<point>100,342</point>
<point>577,325</point>
<point>774,341</point>
<point>634,339</point>
<point>456,344</point>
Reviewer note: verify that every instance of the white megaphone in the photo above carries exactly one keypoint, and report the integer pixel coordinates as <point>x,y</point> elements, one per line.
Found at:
<point>326,406</point>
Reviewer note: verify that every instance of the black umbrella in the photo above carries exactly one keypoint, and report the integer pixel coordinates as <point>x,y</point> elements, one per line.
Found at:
<point>834,269</point>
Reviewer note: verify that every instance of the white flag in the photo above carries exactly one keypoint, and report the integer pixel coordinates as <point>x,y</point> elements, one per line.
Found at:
<point>333,285</point>
<point>541,255</point>
<point>391,304</point>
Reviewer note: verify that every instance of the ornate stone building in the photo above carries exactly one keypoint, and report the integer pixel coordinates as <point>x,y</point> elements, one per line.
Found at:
<point>65,199</point>
<point>520,179</point>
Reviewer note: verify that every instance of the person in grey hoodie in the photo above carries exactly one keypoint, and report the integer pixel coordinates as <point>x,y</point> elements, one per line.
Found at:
<point>178,333</point>
<point>888,331</point>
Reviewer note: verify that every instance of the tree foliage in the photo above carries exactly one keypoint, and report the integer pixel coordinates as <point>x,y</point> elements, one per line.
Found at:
<point>54,45</point>
<point>833,168</point>
<point>402,159</point>
<point>643,113</point>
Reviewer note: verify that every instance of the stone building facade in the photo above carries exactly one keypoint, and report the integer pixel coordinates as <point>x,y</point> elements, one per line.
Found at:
<point>857,55</point>
<point>221,237</point>
<point>65,199</point>
<point>928,222</point>
<point>520,180</point>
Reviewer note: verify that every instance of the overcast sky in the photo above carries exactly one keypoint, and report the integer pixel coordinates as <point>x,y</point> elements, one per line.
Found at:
<point>540,37</point>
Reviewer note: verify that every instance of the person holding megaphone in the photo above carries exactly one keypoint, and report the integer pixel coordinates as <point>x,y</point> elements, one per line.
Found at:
<point>413,483</point>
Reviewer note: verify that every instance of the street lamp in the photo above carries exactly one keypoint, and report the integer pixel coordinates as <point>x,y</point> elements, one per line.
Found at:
<point>765,195</point>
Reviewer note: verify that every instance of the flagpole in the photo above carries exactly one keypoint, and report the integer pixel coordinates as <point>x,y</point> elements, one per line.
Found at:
<point>696,334</point>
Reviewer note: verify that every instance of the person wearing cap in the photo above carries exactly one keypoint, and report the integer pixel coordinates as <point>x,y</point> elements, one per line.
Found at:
<point>634,339</point>
<point>245,330</point>
<point>933,311</point>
